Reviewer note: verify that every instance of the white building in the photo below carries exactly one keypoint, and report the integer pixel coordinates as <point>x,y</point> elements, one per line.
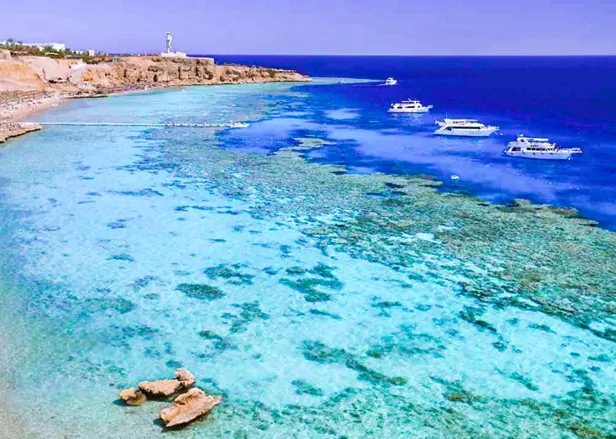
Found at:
<point>59,47</point>
<point>41,46</point>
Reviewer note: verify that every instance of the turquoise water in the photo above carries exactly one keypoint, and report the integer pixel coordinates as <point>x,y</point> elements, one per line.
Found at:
<point>320,303</point>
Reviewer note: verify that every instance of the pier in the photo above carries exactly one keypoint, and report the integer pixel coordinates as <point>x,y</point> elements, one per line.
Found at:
<point>144,124</point>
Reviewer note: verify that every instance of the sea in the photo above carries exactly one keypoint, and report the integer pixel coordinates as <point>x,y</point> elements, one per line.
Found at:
<point>567,99</point>
<point>320,269</point>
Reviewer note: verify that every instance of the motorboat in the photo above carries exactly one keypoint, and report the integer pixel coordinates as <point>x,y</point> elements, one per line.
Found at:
<point>465,128</point>
<point>538,148</point>
<point>409,106</point>
<point>391,81</point>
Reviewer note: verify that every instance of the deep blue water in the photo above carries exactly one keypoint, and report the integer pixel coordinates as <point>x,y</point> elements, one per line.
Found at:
<point>571,100</point>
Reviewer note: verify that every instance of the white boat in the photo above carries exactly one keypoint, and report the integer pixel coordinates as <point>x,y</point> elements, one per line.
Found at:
<point>391,81</point>
<point>238,125</point>
<point>464,127</point>
<point>409,106</point>
<point>538,148</point>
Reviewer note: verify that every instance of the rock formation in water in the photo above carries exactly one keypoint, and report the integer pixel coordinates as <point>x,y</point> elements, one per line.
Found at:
<point>188,407</point>
<point>183,380</point>
<point>185,377</point>
<point>132,396</point>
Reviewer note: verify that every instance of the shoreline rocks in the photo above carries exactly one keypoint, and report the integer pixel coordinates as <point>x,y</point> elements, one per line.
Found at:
<point>13,129</point>
<point>189,406</point>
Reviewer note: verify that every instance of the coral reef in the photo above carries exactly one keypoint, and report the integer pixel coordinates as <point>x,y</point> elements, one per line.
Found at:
<point>200,291</point>
<point>528,256</point>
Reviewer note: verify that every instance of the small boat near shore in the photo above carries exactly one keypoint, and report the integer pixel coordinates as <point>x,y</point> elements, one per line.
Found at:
<point>539,149</point>
<point>391,81</point>
<point>237,125</point>
<point>464,128</point>
<point>409,106</point>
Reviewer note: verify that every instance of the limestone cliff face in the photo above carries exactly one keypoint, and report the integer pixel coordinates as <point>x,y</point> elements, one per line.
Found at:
<point>18,76</point>
<point>69,76</point>
<point>155,71</point>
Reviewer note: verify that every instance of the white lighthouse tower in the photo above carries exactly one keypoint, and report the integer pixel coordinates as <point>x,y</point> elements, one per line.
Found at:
<point>169,51</point>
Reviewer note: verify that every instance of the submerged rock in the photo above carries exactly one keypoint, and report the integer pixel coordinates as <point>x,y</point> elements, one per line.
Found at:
<point>251,311</point>
<point>188,407</point>
<point>321,353</point>
<point>132,396</point>
<point>200,291</point>
<point>231,273</point>
<point>183,380</point>
<point>308,287</point>
<point>304,388</point>
<point>104,304</point>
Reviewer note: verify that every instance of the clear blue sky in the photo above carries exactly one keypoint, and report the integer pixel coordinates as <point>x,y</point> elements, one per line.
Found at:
<point>360,27</point>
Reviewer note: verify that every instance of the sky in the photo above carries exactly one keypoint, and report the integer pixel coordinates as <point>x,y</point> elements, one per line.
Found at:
<point>320,27</point>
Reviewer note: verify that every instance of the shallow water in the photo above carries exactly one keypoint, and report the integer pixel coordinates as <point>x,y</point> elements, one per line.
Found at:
<point>319,303</point>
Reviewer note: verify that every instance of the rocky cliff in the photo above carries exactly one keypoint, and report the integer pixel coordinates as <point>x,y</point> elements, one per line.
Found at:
<point>32,83</point>
<point>18,76</point>
<point>156,71</point>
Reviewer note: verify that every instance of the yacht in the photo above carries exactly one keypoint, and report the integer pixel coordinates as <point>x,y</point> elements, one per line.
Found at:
<point>464,127</point>
<point>409,106</point>
<point>537,148</point>
<point>391,81</point>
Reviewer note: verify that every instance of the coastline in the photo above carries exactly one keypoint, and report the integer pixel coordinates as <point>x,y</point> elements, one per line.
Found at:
<point>28,109</point>
<point>26,90</point>
<point>12,124</point>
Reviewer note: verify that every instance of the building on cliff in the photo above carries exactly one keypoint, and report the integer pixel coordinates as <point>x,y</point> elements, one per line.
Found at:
<point>58,47</point>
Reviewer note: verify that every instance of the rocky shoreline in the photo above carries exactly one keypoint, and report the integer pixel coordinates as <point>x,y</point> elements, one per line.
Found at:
<point>14,129</point>
<point>31,84</point>
<point>155,71</point>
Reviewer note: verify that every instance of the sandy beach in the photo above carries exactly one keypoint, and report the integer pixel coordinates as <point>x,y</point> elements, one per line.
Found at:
<point>19,105</point>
